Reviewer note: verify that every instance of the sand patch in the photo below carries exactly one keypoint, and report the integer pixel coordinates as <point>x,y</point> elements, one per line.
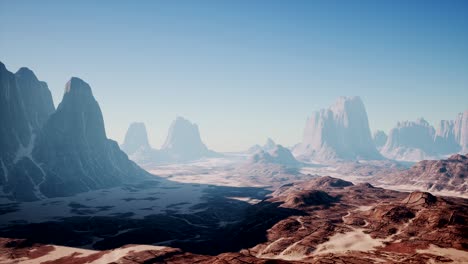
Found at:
<point>355,240</point>
<point>458,256</point>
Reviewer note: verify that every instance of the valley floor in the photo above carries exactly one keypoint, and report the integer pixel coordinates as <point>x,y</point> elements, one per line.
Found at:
<point>226,210</point>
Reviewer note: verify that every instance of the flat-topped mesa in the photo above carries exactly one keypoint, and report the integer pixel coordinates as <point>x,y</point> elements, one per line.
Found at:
<point>340,132</point>
<point>444,140</point>
<point>411,141</point>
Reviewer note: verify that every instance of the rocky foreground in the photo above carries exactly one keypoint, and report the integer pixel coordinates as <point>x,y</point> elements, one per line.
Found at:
<point>329,221</point>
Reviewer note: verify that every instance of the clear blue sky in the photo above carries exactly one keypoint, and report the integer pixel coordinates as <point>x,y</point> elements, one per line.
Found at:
<point>245,70</point>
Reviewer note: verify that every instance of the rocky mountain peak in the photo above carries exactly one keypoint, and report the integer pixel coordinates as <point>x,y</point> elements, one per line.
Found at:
<point>269,144</point>
<point>183,142</point>
<point>26,73</point>
<point>135,138</point>
<point>77,87</point>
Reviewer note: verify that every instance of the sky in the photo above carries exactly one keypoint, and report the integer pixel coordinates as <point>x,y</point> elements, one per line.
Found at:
<point>245,70</point>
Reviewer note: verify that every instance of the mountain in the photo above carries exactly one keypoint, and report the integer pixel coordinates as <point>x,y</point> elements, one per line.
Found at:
<point>340,132</point>
<point>36,97</point>
<point>269,145</point>
<point>277,155</point>
<point>446,175</point>
<point>183,142</point>
<point>444,140</point>
<point>25,105</point>
<point>411,141</point>
<point>418,140</point>
<point>380,138</point>
<point>70,153</point>
<point>137,146</point>
<point>136,138</point>
<point>461,131</point>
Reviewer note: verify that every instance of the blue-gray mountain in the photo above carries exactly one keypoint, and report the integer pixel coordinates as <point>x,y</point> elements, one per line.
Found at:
<point>183,144</point>
<point>47,153</point>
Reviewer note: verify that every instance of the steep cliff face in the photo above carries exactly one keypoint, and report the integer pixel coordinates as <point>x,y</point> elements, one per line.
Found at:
<point>380,138</point>
<point>136,138</point>
<point>418,140</point>
<point>183,142</point>
<point>444,140</point>
<point>15,129</point>
<point>36,97</point>
<point>461,131</point>
<point>25,105</point>
<point>338,133</point>
<point>47,153</point>
<point>73,149</point>
<point>410,141</point>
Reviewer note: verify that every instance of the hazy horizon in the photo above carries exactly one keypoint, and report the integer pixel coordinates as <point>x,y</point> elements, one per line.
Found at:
<point>245,71</point>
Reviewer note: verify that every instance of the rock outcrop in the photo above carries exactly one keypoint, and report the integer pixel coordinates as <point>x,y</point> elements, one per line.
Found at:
<point>415,141</point>
<point>136,139</point>
<point>461,131</point>
<point>269,145</point>
<point>183,142</point>
<point>276,155</point>
<point>380,138</point>
<point>36,97</point>
<point>411,141</point>
<point>338,133</point>
<point>444,140</point>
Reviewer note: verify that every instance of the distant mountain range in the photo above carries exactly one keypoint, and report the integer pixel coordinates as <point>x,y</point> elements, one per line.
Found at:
<point>183,144</point>
<point>418,140</point>
<point>48,152</point>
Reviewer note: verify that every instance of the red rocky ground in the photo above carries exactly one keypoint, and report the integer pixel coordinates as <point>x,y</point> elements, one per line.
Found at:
<point>336,222</point>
